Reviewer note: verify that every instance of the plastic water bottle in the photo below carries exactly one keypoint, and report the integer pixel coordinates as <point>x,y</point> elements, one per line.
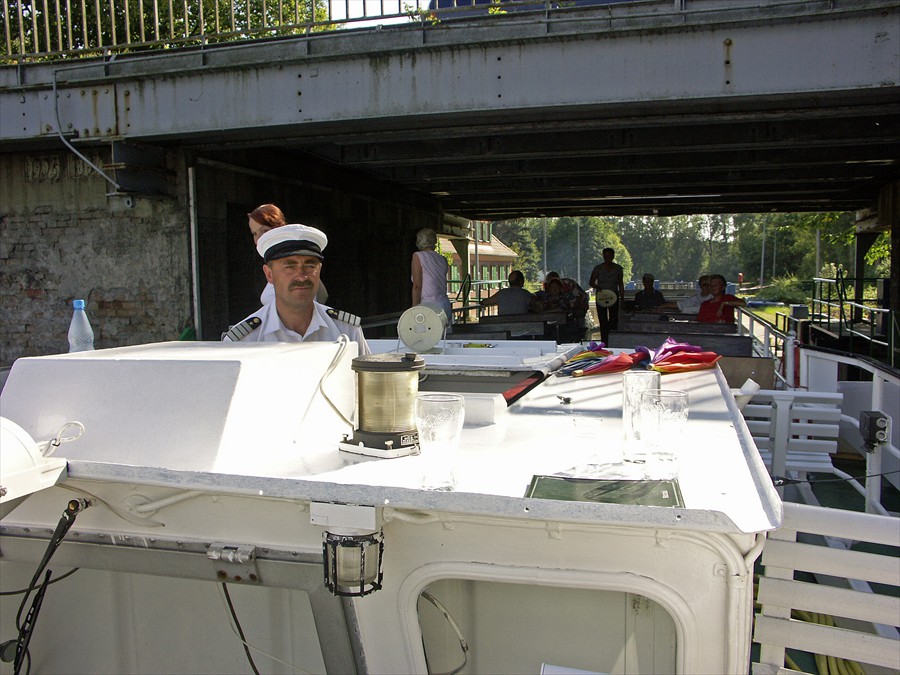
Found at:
<point>81,335</point>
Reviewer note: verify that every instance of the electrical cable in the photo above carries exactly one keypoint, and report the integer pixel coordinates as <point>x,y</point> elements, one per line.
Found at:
<point>71,147</point>
<point>462,641</point>
<point>28,590</point>
<point>25,627</point>
<point>342,341</point>
<point>782,480</point>
<point>235,628</point>
<point>144,522</point>
<point>239,628</point>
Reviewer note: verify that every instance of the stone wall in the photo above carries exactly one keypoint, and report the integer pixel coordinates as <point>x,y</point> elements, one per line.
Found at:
<point>62,238</point>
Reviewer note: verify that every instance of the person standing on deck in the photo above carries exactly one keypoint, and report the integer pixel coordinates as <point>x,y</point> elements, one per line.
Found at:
<point>429,273</point>
<point>608,276</point>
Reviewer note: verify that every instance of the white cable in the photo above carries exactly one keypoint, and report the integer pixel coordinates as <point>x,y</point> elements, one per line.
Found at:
<point>250,646</point>
<point>49,447</point>
<point>131,519</point>
<point>150,507</point>
<point>71,147</point>
<point>462,641</point>
<point>343,341</point>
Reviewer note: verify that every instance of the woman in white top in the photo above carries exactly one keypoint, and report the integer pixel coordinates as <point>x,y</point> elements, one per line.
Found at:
<point>429,273</point>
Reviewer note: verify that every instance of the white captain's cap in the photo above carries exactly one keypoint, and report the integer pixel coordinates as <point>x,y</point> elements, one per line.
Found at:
<point>286,240</point>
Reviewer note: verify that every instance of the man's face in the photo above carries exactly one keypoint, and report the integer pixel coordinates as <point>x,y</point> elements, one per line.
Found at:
<point>648,284</point>
<point>257,229</point>
<point>716,287</point>
<point>704,287</point>
<point>295,278</point>
<point>608,256</point>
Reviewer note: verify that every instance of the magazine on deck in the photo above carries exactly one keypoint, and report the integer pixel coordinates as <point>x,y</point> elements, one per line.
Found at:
<point>612,491</point>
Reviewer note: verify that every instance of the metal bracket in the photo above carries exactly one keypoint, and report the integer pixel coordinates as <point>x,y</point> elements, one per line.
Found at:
<point>234,562</point>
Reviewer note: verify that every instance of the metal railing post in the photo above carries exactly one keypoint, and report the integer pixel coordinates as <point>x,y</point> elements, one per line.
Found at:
<point>788,352</point>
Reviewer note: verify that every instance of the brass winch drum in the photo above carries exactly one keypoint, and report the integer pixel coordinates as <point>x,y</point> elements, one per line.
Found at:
<point>387,385</point>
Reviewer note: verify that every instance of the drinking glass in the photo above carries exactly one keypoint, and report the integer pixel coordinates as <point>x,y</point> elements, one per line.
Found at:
<point>634,383</point>
<point>439,419</point>
<point>663,417</point>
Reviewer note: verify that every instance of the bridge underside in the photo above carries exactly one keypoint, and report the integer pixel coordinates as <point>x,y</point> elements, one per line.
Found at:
<point>636,108</point>
<point>787,153</point>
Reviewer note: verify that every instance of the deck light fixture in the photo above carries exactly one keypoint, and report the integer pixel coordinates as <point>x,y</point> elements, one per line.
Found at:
<point>353,562</point>
<point>352,547</point>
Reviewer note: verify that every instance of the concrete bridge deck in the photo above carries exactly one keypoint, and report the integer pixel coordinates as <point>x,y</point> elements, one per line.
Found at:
<point>651,107</point>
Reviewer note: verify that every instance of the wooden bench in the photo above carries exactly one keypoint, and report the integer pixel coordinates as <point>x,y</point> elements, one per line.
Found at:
<point>796,433</point>
<point>726,345</point>
<point>549,325</point>
<point>848,622</point>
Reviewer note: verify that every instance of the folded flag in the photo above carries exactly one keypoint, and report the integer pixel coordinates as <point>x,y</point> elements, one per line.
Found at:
<point>679,357</point>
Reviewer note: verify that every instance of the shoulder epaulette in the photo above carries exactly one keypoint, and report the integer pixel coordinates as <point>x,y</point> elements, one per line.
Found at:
<point>241,330</point>
<point>346,317</point>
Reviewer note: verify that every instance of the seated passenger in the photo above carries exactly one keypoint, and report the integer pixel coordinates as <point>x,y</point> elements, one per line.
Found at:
<point>719,308</point>
<point>692,304</point>
<point>552,298</point>
<point>512,300</point>
<point>567,296</point>
<point>649,298</point>
<point>575,294</point>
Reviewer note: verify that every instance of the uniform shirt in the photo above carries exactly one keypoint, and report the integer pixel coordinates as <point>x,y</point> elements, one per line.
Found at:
<point>322,328</point>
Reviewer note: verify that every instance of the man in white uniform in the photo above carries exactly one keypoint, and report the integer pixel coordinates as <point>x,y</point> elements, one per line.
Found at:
<point>293,262</point>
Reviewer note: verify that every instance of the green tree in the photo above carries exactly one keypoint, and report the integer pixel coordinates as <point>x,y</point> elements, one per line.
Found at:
<point>78,28</point>
<point>790,243</point>
<point>595,235</point>
<point>669,248</point>
<point>517,235</point>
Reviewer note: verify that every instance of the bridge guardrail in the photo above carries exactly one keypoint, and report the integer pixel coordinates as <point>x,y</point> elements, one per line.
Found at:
<point>46,30</point>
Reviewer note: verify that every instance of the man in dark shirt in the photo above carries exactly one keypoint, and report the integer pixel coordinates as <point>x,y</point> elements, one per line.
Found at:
<point>649,298</point>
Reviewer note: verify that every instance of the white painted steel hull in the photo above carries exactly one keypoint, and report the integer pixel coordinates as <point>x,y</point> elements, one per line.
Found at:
<point>602,587</point>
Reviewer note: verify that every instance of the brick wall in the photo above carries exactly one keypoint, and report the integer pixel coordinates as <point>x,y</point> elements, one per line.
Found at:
<point>62,238</point>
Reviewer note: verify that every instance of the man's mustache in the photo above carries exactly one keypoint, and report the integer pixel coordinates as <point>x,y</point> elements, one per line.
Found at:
<point>300,284</point>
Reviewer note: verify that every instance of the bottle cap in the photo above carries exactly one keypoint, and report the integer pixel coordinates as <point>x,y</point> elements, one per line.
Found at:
<point>78,304</point>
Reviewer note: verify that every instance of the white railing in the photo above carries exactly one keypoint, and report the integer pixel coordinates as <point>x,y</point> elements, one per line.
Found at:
<point>816,370</point>
<point>819,371</point>
<point>772,343</point>
<point>848,622</point>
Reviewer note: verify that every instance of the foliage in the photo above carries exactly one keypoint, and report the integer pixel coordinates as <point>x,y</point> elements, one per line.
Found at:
<point>125,25</point>
<point>879,255</point>
<point>790,243</point>
<point>681,248</point>
<point>517,235</point>
<point>668,248</point>
<point>563,251</point>
<point>790,290</point>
